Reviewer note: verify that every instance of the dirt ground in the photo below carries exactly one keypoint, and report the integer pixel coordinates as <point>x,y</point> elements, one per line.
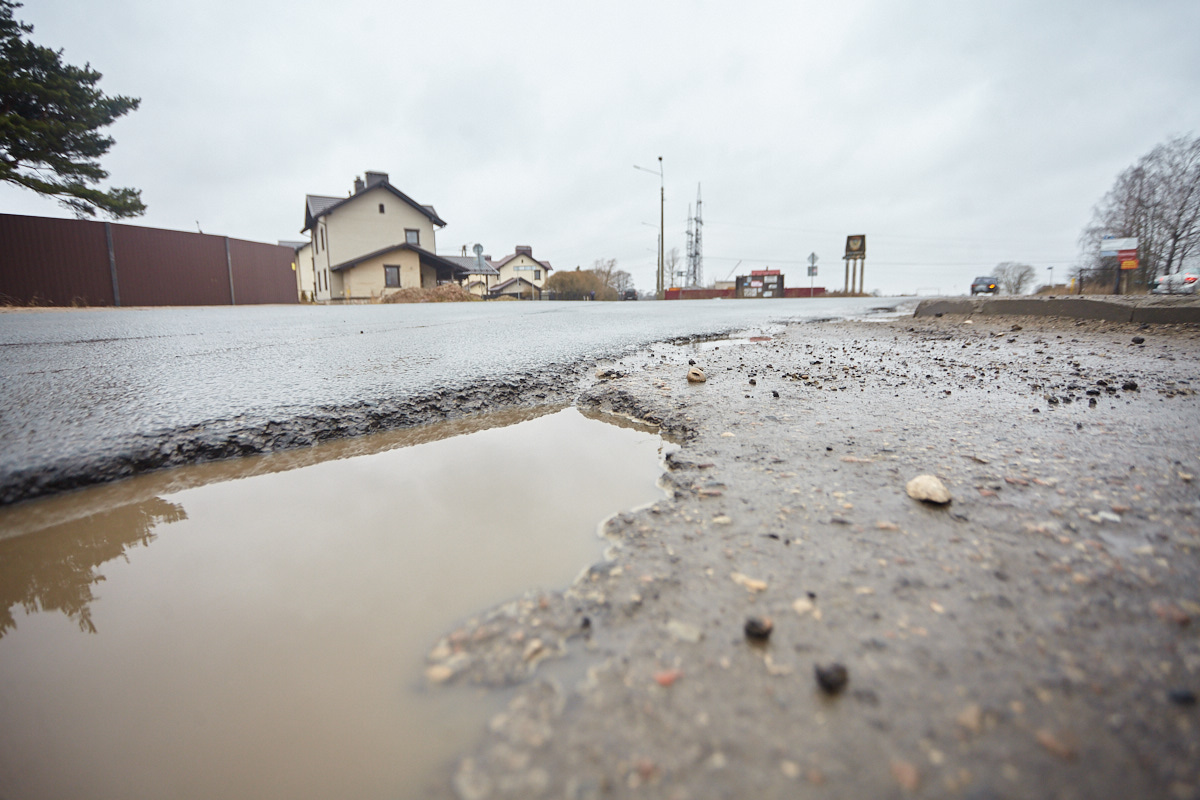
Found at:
<point>1038,636</point>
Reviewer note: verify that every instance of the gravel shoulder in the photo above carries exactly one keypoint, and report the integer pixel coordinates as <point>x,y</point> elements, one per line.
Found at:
<point>1037,637</point>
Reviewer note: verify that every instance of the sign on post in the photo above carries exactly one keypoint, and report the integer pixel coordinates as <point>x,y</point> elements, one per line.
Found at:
<point>1113,247</point>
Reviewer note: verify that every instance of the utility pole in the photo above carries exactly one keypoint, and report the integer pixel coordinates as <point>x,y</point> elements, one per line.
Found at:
<point>695,245</point>
<point>662,199</point>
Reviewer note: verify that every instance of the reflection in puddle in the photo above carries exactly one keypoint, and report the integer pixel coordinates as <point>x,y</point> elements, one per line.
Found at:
<point>699,344</point>
<point>256,628</point>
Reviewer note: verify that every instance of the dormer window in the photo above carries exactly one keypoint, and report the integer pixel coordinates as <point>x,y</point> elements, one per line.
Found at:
<point>412,236</point>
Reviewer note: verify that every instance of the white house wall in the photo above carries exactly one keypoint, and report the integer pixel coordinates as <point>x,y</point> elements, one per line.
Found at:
<point>306,276</point>
<point>367,280</point>
<point>357,228</point>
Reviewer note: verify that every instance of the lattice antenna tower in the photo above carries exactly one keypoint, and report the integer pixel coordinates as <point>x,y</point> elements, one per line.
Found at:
<point>695,241</point>
<point>691,244</point>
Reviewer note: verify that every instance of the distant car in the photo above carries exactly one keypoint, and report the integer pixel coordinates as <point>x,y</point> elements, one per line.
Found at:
<point>629,294</point>
<point>1180,283</point>
<point>985,285</point>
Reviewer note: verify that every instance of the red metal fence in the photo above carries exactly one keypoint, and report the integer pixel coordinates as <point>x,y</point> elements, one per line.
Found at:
<point>708,294</point>
<point>63,262</point>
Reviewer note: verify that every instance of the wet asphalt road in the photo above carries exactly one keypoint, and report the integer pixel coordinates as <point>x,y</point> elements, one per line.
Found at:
<point>97,394</point>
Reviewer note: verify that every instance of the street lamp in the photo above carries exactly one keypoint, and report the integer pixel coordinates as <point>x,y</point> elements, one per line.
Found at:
<point>662,195</point>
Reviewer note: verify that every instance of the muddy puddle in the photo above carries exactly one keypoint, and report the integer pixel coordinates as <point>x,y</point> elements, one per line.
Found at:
<point>257,628</point>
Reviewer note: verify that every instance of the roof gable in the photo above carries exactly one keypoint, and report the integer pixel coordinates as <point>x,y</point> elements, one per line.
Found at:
<point>317,206</point>
<point>514,256</point>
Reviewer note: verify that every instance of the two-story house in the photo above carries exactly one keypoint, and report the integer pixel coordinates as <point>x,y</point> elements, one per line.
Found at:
<point>520,274</point>
<point>375,240</point>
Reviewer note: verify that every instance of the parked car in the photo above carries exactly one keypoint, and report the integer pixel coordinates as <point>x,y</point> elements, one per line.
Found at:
<point>985,285</point>
<point>1180,283</point>
<point>629,294</point>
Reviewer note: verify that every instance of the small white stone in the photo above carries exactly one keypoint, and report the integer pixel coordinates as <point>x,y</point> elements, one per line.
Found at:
<point>928,489</point>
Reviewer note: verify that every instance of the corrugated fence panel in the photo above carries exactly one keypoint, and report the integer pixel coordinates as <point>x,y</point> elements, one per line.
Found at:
<point>57,262</point>
<point>61,262</point>
<point>262,273</point>
<point>170,268</point>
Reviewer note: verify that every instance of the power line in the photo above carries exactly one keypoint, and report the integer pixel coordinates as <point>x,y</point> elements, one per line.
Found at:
<point>991,263</point>
<point>874,235</point>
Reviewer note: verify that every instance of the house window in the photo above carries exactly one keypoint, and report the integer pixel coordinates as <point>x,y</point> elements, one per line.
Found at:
<point>412,236</point>
<point>324,246</point>
<point>391,276</point>
<point>381,208</point>
<point>537,274</point>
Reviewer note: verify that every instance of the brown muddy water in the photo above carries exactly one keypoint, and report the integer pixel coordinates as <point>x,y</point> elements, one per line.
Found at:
<point>257,628</point>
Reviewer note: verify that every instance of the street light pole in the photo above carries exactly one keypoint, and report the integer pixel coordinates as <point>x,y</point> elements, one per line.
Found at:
<point>662,199</point>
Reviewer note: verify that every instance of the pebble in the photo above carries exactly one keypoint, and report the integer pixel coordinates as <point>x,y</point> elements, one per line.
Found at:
<point>1182,697</point>
<point>667,677</point>
<point>906,775</point>
<point>696,375</point>
<point>1055,744</point>
<point>971,718</point>
<point>1139,339</point>
<point>752,584</point>
<point>929,489</point>
<point>439,673</point>
<point>759,628</point>
<point>832,678</point>
<point>684,631</point>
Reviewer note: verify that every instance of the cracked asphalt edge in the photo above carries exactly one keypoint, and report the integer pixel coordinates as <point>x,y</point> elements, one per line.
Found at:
<point>1037,637</point>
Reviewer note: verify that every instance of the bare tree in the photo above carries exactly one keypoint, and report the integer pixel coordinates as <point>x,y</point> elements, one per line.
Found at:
<point>671,262</point>
<point>1156,200</point>
<point>621,280</point>
<point>1013,278</point>
<point>604,269</point>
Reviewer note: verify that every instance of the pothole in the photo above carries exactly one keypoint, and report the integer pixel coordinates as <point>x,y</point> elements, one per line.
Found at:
<point>258,627</point>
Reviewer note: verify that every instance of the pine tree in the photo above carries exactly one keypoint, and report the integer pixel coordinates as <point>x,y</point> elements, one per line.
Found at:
<point>50,115</point>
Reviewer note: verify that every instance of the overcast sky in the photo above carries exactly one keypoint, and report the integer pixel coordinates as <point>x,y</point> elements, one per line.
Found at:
<point>954,135</point>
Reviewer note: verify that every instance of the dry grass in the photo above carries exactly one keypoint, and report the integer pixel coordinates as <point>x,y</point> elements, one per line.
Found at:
<point>448,293</point>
